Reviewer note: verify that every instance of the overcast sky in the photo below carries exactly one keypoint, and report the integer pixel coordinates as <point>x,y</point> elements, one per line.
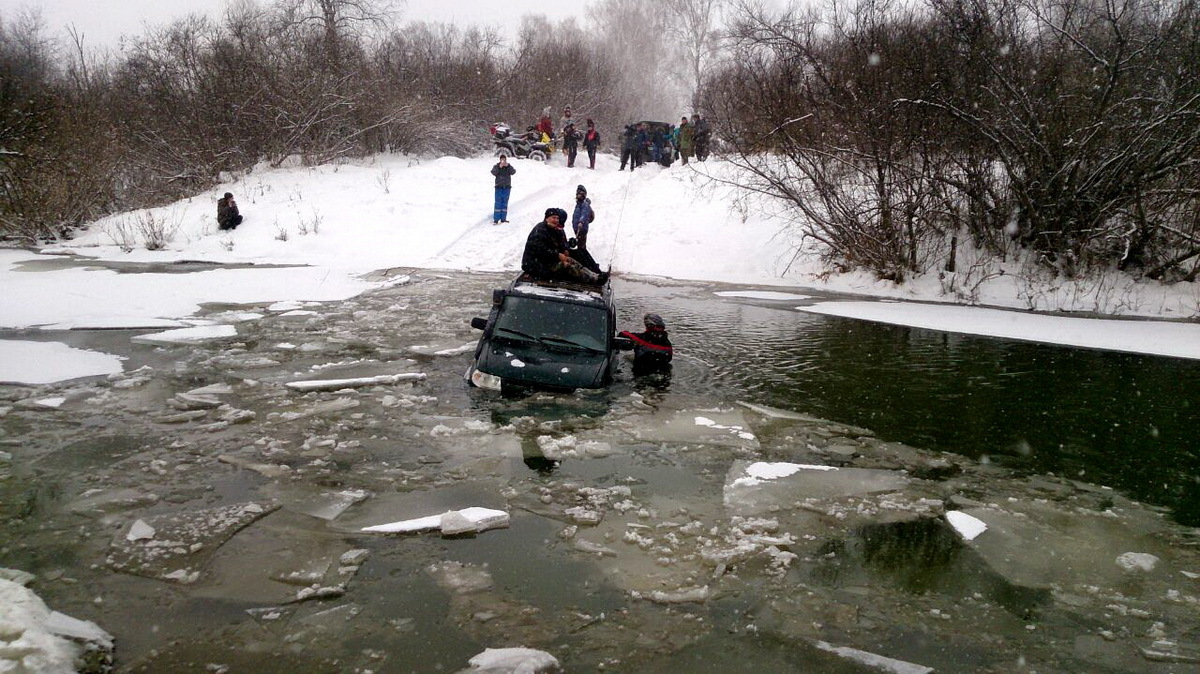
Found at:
<point>103,22</point>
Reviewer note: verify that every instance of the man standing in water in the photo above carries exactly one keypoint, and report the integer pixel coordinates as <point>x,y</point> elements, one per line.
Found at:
<point>652,350</point>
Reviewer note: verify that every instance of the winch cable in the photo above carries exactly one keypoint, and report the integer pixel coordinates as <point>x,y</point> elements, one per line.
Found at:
<point>620,217</point>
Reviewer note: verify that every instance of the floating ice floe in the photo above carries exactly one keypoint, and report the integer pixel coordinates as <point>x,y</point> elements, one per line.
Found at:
<point>762,471</point>
<point>1137,562</point>
<point>176,549</point>
<point>763,295</point>
<point>194,335</point>
<point>56,401</point>
<point>34,638</point>
<point>514,661</point>
<point>451,522</point>
<point>758,487</point>
<point>355,382</point>
<point>330,505</point>
<point>26,362</point>
<point>965,525</point>
<point>875,661</point>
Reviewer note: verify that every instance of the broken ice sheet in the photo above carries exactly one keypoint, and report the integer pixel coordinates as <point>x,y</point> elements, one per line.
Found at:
<point>478,519</point>
<point>355,382</point>
<point>461,578</point>
<point>180,541</point>
<point>965,525</point>
<point>752,488</point>
<point>328,505</point>
<point>194,335</point>
<point>875,661</point>
<point>710,427</point>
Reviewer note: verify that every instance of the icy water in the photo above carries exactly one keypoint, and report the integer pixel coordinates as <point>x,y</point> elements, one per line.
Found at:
<point>637,541</point>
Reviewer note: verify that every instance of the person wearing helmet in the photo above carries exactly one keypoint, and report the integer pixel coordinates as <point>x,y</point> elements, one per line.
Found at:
<point>546,255</point>
<point>652,350</point>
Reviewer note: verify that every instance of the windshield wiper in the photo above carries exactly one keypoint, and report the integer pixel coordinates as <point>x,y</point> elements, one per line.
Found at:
<point>518,333</point>
<point>569,342</point>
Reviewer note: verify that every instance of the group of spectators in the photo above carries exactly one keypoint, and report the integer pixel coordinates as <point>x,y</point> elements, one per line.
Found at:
<point>664,144</point>
<point>571,134</point>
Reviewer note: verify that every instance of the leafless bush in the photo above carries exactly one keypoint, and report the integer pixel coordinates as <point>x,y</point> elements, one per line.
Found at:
<point>156,231</point>
<point>123,234</point>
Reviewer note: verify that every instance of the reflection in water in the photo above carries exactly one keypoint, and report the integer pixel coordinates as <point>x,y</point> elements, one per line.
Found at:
<point>1120,420</point>
<point>919,557</point>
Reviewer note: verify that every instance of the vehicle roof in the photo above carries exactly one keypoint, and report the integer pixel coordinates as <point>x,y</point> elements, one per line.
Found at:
<point>564,291</point>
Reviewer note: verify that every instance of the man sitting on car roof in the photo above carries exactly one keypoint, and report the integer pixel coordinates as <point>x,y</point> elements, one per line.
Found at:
<point>546,254</point>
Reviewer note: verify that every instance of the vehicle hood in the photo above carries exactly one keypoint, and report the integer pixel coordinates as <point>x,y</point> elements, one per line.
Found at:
<point>535,365</point>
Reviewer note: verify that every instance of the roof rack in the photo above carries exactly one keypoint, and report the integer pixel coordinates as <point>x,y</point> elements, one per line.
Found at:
<point>578,286</point>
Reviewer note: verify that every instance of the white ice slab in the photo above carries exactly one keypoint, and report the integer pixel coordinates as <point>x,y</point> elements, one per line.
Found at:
<point>187,335</point>
<point>482,519</point>
<point>335,384</point>
<point>26,362</point>
<point>879,662</point>
<point>965,525</point>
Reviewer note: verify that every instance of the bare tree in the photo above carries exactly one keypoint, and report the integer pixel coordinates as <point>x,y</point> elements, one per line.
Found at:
<point>691,26</point>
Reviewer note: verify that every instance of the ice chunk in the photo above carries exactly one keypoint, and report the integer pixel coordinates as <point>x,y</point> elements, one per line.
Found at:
<point>760,487</point>
<point>356,382</point>
<point>965,525</point>
<point>187,335</point>
<point>1137,561</point>
<point>140,531</point>
<point>761,471</point>
<point>181,540</point>
<point>212,389</point>
<point>763,295</point>
<point>714,427</point>
<point>690,595</point>
<point>480,519</point>
<point>28,362</point>
<point>514,661</point>
<point>36,639</point>
<point>878,662</point>
<point>461,578</point>
<point>328,506</point>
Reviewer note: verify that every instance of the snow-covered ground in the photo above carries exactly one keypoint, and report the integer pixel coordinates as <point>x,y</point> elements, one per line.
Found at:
<point>333,224</point>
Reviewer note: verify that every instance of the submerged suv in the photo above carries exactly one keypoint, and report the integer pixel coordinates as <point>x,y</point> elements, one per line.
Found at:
<point>549,335</point>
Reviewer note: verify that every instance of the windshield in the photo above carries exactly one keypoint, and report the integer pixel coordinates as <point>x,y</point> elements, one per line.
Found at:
<point>553,323</point>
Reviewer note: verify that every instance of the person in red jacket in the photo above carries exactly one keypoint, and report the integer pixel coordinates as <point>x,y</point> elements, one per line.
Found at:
<point>652,350</point>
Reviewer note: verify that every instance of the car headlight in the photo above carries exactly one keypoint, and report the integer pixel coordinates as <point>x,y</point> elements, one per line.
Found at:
<point>485,380</point>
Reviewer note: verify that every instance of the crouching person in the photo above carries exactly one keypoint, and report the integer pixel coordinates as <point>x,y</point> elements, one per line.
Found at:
<point>652,351</point>
<point>547,256</point>
<point>227,212</point>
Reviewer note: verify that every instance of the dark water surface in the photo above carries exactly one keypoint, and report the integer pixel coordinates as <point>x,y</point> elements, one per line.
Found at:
<point>1122,420</point>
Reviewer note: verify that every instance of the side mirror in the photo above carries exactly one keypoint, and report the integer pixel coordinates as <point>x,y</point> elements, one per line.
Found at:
<point>622,343</point>
<point>479,323</point>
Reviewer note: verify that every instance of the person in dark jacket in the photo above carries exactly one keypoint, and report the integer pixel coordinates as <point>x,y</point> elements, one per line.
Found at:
<point>570,143</point>
<point>546,255</point>
<point>629,149</point>
<point>701,137</point>
<point>504,173</point>
<point>228,216</point>
<point>652,350</point>
<point>591,141</point>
